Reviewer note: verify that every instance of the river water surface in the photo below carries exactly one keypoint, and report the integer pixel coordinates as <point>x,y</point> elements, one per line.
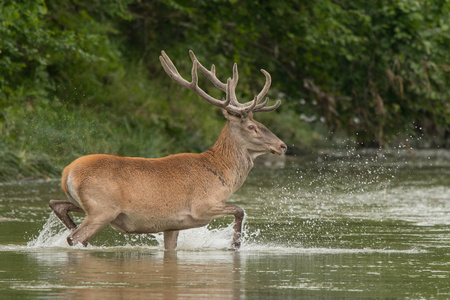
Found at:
<point>342,225</point>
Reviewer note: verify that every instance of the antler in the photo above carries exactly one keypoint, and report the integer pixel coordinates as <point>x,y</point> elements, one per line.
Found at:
<point>230,103</point>
<point>173,73</point>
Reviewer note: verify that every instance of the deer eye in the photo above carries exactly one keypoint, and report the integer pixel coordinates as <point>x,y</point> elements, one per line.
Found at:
<point>251,127</point>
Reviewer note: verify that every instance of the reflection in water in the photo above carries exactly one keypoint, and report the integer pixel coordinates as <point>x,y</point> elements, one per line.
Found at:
<point>139,275</point>
<point>152,274</point>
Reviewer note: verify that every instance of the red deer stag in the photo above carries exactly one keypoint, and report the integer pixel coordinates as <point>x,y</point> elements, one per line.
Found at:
<point>181,191</point>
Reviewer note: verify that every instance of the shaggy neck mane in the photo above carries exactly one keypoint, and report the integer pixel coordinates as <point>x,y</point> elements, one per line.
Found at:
<point>227,155</point>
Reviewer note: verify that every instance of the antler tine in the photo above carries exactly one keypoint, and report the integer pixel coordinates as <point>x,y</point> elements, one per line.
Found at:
<point>252,106</point>
<point>173,73</point>
<point>260,107</point>
<point>270,108</point>
<point>261,94</point>
<point>211,75</point>
<point>233,84</point>
<point>170,68</point>
<point>266,85</point>
<point>194,82</point>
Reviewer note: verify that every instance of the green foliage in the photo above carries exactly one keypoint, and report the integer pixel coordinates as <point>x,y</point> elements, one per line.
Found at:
<point>399,81</point>
<point>40,140</point>
<point>79,77</point>
<point>375,69</point>
<point>30,49</point>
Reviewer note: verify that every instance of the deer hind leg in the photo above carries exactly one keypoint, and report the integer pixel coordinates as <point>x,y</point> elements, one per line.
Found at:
<point>170,239</point>
<point>61,208</point>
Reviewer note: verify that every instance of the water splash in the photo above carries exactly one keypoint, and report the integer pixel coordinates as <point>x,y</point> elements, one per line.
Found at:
<point>53,234</point>
<point>204,238</point>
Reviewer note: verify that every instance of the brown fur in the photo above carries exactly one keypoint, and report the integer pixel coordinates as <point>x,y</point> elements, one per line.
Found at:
<point>181,191</point>
<point>138,195</point>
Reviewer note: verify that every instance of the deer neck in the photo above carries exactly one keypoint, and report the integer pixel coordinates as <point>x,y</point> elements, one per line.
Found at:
<point>229,157</point>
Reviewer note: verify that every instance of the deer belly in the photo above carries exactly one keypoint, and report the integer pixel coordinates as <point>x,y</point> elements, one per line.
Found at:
<point>150,224</point>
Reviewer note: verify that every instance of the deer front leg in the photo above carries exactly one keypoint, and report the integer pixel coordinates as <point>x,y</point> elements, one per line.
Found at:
<point>170,239</point>
<point>237,212</point>
<point>239,215</point>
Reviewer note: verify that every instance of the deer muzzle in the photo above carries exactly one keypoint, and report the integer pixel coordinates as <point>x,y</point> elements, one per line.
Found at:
<point>280,150</point>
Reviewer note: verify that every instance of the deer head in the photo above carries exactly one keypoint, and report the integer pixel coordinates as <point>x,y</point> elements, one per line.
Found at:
<point>249,133</point>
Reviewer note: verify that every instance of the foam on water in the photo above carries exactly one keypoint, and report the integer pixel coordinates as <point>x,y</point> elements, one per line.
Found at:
<point>53,235</point>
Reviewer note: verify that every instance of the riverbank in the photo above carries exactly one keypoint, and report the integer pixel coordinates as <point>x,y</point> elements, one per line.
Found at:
<point>38,139</point>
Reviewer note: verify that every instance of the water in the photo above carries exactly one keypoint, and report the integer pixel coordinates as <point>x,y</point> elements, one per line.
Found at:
<point>338,225</point>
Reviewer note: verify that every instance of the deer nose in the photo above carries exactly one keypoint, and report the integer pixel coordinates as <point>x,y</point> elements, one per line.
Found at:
<point>283,147</point>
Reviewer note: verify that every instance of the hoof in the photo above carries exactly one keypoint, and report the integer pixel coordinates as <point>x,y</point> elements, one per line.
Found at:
<point>234,247</point>
<point>236,241</point>
<point>71,242</point>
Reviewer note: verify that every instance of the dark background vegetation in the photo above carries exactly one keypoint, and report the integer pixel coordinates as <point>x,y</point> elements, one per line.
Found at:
<point>80,77</point>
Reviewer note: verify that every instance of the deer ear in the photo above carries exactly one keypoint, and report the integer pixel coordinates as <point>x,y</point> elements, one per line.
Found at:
<point>225,113</point>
